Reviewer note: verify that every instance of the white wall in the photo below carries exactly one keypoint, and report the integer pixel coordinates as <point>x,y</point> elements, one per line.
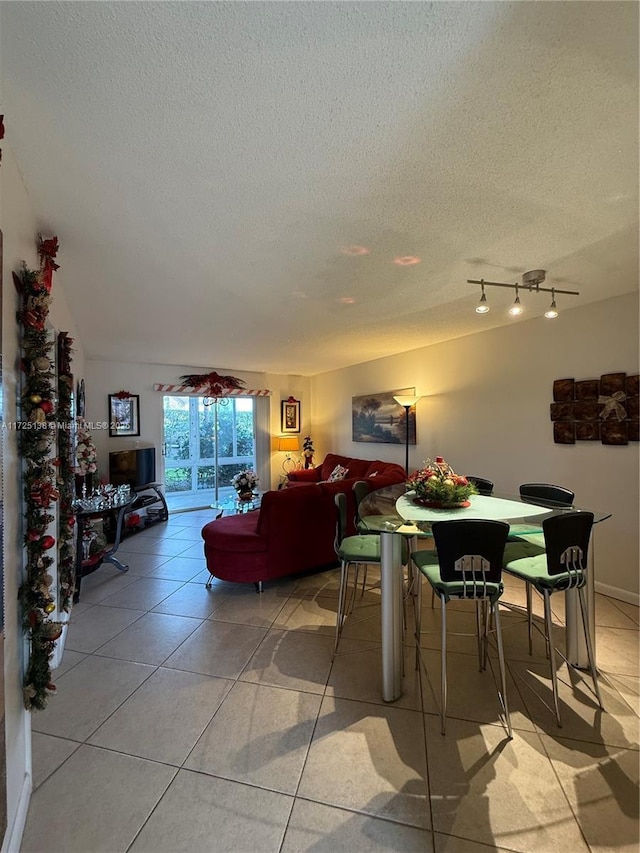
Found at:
<point>486,410</point>
<point>20,230</point>
<point>109,377</point>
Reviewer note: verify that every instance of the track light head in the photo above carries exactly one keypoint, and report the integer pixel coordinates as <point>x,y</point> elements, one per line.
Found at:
<point>482,307</point>
<point>516,309</point>
<point>552,311</point>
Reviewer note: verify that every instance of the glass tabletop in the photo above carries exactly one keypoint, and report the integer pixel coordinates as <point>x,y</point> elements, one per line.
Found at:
<point>394,507</point>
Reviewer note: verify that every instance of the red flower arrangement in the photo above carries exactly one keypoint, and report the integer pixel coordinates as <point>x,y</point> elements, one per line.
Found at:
<point>438,485</point>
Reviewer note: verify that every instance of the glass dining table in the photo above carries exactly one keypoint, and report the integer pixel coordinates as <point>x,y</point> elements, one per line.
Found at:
<point>392,511</point>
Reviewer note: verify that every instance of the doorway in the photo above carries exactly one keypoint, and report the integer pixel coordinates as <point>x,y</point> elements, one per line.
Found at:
<point>204,445</point>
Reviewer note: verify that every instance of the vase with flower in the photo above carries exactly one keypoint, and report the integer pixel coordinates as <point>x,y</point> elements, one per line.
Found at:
<point>437,485</point>
<point>244,482</point>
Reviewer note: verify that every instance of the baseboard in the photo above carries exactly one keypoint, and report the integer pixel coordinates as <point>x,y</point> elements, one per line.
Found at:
<point>15,829</point>
<point>620,594</point>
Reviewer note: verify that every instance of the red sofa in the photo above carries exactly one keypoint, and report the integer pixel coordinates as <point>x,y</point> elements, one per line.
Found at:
<point>294,529</point>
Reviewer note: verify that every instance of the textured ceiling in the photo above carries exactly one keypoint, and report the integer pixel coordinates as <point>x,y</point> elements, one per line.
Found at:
<point>210,168</point>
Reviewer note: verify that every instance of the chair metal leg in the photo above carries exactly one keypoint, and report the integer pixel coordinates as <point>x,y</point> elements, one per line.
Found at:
<point>443,674</point>
<point>417,614</point>
<point>552,656</point>
<point>344,570</point>
<point>503,673</point>
<point>582,596</point>
<point>480,634</point>
<point>530,615</point>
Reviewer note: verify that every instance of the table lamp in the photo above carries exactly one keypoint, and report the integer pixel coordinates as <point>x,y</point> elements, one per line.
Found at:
<point>289,444</point>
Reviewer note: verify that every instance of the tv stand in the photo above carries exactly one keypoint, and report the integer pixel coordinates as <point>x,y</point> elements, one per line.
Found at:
<point>150,499</point>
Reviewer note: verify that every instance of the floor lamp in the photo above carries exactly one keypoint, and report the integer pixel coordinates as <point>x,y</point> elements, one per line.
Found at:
<point>407,402</point>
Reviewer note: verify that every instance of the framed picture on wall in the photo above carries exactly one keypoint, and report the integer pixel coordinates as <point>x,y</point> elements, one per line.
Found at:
<point>124,415</point>
<point>378,418</point>
<point>290,415</point>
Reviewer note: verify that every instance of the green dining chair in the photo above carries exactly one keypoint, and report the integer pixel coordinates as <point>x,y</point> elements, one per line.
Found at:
<point>467,564</point>
<point>558,566</point>
<point>358,550</point>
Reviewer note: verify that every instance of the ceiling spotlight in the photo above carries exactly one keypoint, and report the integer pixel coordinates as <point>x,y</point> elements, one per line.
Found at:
<point>516,309</point>
<point>482,307</point>
<point>552,311</point>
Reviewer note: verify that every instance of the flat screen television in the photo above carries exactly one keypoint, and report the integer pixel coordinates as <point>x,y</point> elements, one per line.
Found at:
<point>133,468</point>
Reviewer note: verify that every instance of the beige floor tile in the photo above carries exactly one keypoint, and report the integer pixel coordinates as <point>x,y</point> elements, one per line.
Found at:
<point>189,534</point>
<point>151,639</point>
<point>48,754</point>
<point>214,814</point>
<point>471,694</point>
<point>326,829</point>
<point>143,594</point>
<point>609,614</point>
<point>69,660</point>
<point>140,564</point>
<point>193,599</point>
<point>628,686</point>
<point>94,627</point>
<point>104,582</point>
<point>365,620</point>
<point>97,801</point>
<point>630,610</point>
<point>88,694</point>
<point>148,726</point>
<point>617,650</point>
<point>486,788</point>
<point>581,717</point>
<point>326,582</point>
<point>159,547</point>
<point>291,659</point>
<point>316,615</point>
<point>248,607</point>
<point>357,674</point>
<point>602,787</point>
<point>451,844</point>
<point>195,550</point>
<point>369,758</point>
<point>260,735</point>
<point>217,648</point>
<point>177,569</point>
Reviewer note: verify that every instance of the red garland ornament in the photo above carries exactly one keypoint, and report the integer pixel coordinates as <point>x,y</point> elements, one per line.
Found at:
<point>47,406</point>
<point>43,494</point>
<point>123,395</point>
<point>47,542</point>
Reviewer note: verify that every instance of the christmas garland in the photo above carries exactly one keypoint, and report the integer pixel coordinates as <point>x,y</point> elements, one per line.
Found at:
<point>36,438</point>
<point>66,477</point>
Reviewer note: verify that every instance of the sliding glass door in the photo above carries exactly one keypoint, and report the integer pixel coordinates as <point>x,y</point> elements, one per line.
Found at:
<point>204,446</point>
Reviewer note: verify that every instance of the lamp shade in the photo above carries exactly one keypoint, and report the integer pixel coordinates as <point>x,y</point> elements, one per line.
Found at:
<point>289,443</point>
<point>406,399</point>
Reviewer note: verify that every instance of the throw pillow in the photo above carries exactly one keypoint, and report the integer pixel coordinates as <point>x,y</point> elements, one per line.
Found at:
<point>338,473</point>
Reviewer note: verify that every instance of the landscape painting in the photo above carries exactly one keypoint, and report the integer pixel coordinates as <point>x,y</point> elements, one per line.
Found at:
<point>378,418</point>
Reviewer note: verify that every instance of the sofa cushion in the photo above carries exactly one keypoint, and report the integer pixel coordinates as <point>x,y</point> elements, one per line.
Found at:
<point>338,473</point>
<point>330,462</point>
<point>304,475</point>
<point>357,468</point>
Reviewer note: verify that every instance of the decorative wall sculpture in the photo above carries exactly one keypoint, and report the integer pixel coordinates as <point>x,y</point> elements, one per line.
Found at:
<point>604,409</point>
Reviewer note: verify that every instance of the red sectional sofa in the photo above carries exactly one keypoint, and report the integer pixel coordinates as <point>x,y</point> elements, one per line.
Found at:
<point>294,529</point>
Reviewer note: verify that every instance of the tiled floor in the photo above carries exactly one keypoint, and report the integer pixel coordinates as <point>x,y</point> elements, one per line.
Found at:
<point>196,720</point>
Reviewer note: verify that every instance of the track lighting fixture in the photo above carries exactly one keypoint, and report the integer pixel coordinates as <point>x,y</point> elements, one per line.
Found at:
<point>531,281</point>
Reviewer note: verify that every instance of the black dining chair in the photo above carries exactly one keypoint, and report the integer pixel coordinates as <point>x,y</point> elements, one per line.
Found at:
<point>558,566</point>
<point>467,564</point>
<point>484,486</point>
<point>541,494</point>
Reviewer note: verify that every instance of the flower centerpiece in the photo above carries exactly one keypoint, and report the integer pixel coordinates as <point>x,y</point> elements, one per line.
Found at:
<point>307,451</point>
<point>438,485</point>
<point>244,482</point>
